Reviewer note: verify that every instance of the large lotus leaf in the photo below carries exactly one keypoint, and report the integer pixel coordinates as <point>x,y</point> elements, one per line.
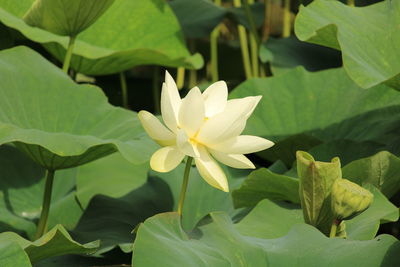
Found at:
<point>21,194</point>
<point>130,33</point>
<point>112,219</point>
<point>220,244</point>
<point>11,255</point>
<point>367,36</point>
<point>66,17</point>
<point>262,183</point>
<point>56,242</point>
<point>111,176</point>
<point>58,123</point>
<point>201,198</point>
<point>270,219</point>
<point>325,106</point>
<point>382,170</point>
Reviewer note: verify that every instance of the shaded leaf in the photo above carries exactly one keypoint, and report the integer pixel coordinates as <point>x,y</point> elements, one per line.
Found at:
<point>286,53</point>
<point>197,17</point>
<point>21,194</point>
<point>112,219</point>
<point>58,123</point>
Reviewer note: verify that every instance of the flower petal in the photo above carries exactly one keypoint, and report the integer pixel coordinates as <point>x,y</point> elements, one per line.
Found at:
<point>215,98</point>
<point>243,144</point>
<point>191,112</point>
<point>211,171</point>
<point>233,160</point>
<point>249,102</point>
<point>184,144</point>
<point>170,103</point>
<point>155,129</point>
<point>229,123</point>
<point>166,159</point>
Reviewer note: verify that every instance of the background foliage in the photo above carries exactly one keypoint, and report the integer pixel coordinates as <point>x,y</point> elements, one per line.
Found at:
<point>328,73</point>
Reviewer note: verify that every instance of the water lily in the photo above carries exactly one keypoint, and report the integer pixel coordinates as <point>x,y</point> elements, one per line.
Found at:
<point>205,126</point>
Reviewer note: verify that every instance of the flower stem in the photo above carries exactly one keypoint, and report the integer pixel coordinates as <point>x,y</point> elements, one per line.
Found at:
<point>184,185</point>
<point>244,45</point>
<point>333,229</point>
<point>267,19</point>
<point>42,225</point>
<point>286,19</point>
<point>351,2</point>
<point>254,55</point>
<point>180,78</point>
<point>68,55</point>
<point>124,89</point>
<point>254,38</point>
<point>214,54</point>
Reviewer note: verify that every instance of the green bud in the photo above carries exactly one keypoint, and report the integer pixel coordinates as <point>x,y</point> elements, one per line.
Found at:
<point>316,179</point>
<point>349,199</point>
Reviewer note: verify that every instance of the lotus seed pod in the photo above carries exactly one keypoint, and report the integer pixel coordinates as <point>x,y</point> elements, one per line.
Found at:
<point>349,199</point>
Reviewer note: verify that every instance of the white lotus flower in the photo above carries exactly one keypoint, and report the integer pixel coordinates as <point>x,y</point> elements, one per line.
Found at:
<point>205,126</point>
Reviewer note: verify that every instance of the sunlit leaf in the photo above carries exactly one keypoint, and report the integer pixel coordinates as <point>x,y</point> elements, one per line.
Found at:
<point>54,243</point>
<point>66,17</point>
<point>58,123</point>
<point>129,34</point>
<point>367,36</point>
<point>382,170</point>
<point>322,106</point>
<point>220,244</point>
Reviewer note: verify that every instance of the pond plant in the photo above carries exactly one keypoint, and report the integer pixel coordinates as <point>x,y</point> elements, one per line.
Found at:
<point>273,139</point>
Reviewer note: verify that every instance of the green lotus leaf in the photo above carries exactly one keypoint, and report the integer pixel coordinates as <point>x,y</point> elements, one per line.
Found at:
<point>212,199</point>
<point>94,178</point>
<point>66,17</point>
<point>54,243</point>
<point>381,170</point>
<point>130,33</point>
<point>219,243</point>
<point>21,194</point>
<point>263,183</point>
<point>117,217</point>
<point>272,219</point>
<point>11,255</point>
<point>199,17</point>
<point>367,36</point>
<point>58,123</point>
<point>322,106</point>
